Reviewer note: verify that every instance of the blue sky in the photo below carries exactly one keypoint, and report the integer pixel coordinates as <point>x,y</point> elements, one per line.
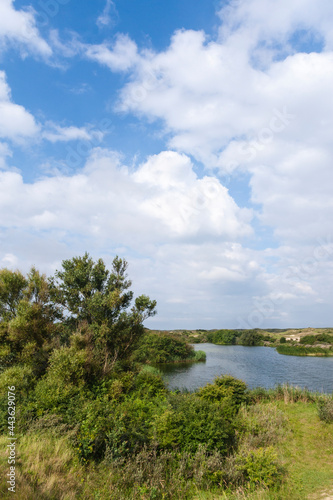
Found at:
<point>192,138</point>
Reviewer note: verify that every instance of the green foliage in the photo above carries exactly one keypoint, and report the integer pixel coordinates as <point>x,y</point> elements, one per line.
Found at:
<point>223,337</point>
<point>21,377</point>
<point>260,467</point>
<point>308,339</point>
<point>29,332</point>
<point>300,350</point>
<point>241,337</point>
<point>283,340</point>
<point>149,384</point>
<point>163,348</point>
<point>97,301</point>
<point>226,388</point>
<point>323,338</point>
<point>12,286</point>
<point>116,428</point>
<point>200,356</point>
<point>325,410</point>
<point>192,421</point>
<point>250,338</point>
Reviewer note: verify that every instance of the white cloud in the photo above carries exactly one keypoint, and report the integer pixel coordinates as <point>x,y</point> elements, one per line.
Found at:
<point>18,28</point>
<point>257,21</point>
<point>107,199</point>
<point>174,228</point>
<point>119,57</point>
<point>15,121</point>
<point>249,101</point>
<point>108,16</point>
<point>4,153</point>
<point>55,133</point>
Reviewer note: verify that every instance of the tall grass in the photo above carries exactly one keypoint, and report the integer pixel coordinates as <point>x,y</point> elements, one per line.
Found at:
<point>298,350</point>
<point>285,392</point>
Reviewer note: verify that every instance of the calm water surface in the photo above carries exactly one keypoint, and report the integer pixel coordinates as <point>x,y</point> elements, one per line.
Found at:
<point>257,366</point>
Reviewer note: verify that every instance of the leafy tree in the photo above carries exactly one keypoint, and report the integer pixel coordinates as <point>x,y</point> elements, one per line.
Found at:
<point>29,332</point>
<point>12,286</point>
<point>96,302</point>
<point>223,337</point>
<point>250,338</point>
<point>162,348</point>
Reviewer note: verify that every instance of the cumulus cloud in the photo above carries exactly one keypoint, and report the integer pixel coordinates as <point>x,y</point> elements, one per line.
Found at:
<point>18,28</point>
<point>257,99</point>
<point>15,121</point>
<point>120,56</point>
<point>175,229</point>
<point>4,153</point>
<point>146,205</point>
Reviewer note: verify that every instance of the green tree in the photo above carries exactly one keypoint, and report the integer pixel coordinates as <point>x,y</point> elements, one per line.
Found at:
<point>97,303</point>
<point>250,338</point>
<point>30,330</point>
<point>12,286</point>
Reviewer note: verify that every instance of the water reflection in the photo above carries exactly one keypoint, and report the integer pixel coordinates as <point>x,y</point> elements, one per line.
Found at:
<point>257,366</point>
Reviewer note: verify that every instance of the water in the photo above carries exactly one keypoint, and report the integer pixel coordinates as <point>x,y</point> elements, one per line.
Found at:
<point>257,366</point>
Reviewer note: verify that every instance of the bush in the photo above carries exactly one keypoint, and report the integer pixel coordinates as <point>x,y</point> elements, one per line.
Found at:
<point>21,377</point>
<point>150,385</point>
<point>325,410</point>
<point>193,421</point>
<point>250,338</point>
<point>260,467</point>
<point>223,337</point>
<point>283,340</point>
<point>228,388</point>
<point>162,348</point>
<point>200,356</point>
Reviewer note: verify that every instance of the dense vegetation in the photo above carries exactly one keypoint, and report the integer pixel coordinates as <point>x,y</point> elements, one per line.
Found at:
<point>302,342</point>
<point>165,348</point>
<point>95,420</point>
<point>301,350</point>
<point>239,337</point>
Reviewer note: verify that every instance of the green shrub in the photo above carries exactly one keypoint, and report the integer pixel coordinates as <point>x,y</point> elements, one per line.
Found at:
<point>21,377</point>
<point>283,340</point>
<point>228,388</point>
<point>149,385</point>
<point>250,338</point>
<point>301,350</point>
<point>194,421</point>
<point>162,348</point>
<point>200,356</point>
<point>260,467</point>
<point>308,339</point>
<point>325,410</point>
<point>223,337</point>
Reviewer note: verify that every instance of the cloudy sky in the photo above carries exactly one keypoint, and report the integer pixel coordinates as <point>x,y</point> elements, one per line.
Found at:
<point>191,137</point>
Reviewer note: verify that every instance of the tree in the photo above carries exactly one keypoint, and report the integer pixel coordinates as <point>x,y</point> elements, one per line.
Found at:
<point>12,286</point>
<point>28,331</point>
<point>250,338</point>
<point>96,302</point>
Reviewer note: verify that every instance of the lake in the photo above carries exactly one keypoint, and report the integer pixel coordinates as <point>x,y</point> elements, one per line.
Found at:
<point>257,366</point>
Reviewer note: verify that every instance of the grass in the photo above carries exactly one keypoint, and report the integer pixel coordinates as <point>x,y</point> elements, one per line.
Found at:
<point>307,453</point>
<point>48,469</point>
<point>299,350</point>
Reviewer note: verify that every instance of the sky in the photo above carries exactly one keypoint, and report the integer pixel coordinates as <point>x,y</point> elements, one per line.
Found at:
<point>192,138</point>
